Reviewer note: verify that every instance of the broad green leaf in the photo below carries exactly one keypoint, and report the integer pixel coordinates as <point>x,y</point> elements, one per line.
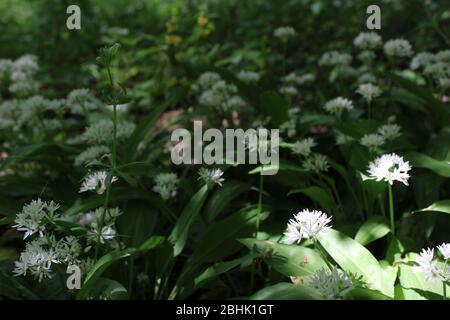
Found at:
<point>275,106</point>
<point>373,229</point>
<point>353,257</point>
<point>439,206</point>
<point>286,291</point>
<point>421,160</point>
<point>360,293</point>
<point>282,166</point>
<point>318,195</point>
<point>151,243</point>
<point>289,260</point>
<point>108,289</point>
<point>180,232</point>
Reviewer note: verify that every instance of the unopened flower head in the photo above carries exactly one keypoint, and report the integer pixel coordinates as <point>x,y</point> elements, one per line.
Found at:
<point>390,168</point>
<point>284,33</point>
<point>211,176</point>
<point>96,182</point>
<point>398,48</point>
<point>305,225</point>
<point>369,91</point>
<point>338,105</point>
<point>372,141</point>
<point>166,185</point>
<point>368,40</point>
<point>444,249</point>
<point>316,163</point>
<point>303,147</point>
<point>332,285</point>
<point>389,131</point>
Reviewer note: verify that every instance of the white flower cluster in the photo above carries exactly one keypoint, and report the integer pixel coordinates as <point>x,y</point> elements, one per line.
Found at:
<point>316,163</point>
<point>422,60</point>
<point>217,93</point>
<point>294,79</point>
<point>290,126</point>
<point>106,232</point>
<point>211,176</point>
<point>249,76</point>
<point>331,285</point>
<point>90,154</point>
<point>338,105</point>
<point>303,147</point>
<point>398,48</point>
<point>366,56</point>
<point>166,185</point>
<point>335,58</point>
<point>80,101</point>
<point>369,91</point>
<point>35,216</point>
<point>368,41</point>
<point>372,141</point>
<point>19,75</point>
<point>284,33</point>
<point>390,168</point>
<point>289,90</point>
<point>426,264</point>
<point>96,181</point>
<point>389,131</point>
<point>306,224</point>
<point>102,131</point>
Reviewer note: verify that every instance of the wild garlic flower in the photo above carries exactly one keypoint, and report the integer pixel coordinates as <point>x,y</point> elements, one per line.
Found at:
<point>444,249</point>
<point>398,48</point>
<point>35,216</point>
<point>106,234</point>
<point>438,70</point>
<point>335,58</point>
<point>366,78</point>
<point>331,285</point>
<point>303,147</point>
<point>343,139</point>
<point>211,176</point>
<point>390,168</point>
<point>369,91</point>
<point>207,80</point>
<point>342,72</point>
<point>368,40</point>
<point>426,264</point>
<point>289,127</point>
<point>443,56</point>
<point>444,83</point>
<point>289,91</point>
<point>90,154</point>
<point>284,33</point>
<point>366,56</point>
<point>249,76</point>
<point>422,60</point>
<point>96,182</point>
<point>102,131</point>
<point>306,224</point>
<point>80,101</point>
<point>338,105</point>
<point>166,185</point>
<point>372,141</point>
<point>316,163</point>
<point>389,131</point>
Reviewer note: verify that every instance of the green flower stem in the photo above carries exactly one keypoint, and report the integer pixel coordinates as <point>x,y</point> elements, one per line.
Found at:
<point>444,289</point>
<point>368,109</point>
<point>258,216</point>
<point>391,209</point>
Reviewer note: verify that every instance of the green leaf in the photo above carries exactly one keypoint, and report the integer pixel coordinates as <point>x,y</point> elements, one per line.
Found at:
<point>289,260</point>
<point>286,291</point>
<point>353,257</point>
<point>275,106</point>
<point>97,270</point>
<point>360,293</point>
<point>108,289</point>
<point>439,206</point>
<point>151,243</point>
<point>223,197</point>
<point>318,195</point>
<point>282,166</point>
<point>180,232</point>
<point>373,229</point>
<point>421,160</point>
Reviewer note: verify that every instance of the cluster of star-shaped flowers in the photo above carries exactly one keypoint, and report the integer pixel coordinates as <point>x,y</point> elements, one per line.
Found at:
<point>305,225</point>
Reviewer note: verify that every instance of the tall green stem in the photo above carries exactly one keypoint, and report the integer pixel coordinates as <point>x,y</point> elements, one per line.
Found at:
<point>368,109</point>
<point>391,209</point>
<point>258,215</point>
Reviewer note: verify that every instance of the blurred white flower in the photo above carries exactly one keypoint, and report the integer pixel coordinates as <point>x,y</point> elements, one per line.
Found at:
<point>438,70</point>
<point>368,40</point>
<point>316,163</point>
<point>166,185</point>
<point>332,285</point>
<point>443,56</point>
<point>284,33</point>
<point>96,182</point>
<point>338,105</point>
<point>398,48</point>
<point>366,56</point>
<point>390,168</point>
<point>303,147</point>
<point>372,141</point>
<point>425,264</point>
<point>422,60</point>
<point>444,249</point>
<point>211,176</point>
<point>389,131</point>
<point>289,90</point>
<point>335,58</point>
<point>90,154</point>
<point>249,76</point>
<point>306,224</point>
<point>369,91</point>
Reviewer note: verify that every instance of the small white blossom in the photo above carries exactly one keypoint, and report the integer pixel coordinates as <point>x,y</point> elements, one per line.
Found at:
<point>444,249</point>
<point>422,60</point>
<point>166,185</point>
<point>96,182</point>
<point>335,58</point>
<point>398,48</point>
<point>211,176</point>
<point>390,168</point>
<point>338,105</point>
<point>107,233</point>
<point>289,90</point>
<point>316,163</point>
<point>425,264</point>
<point>303,147</point>
<point>284,33</point>
<point>332,285</point>
<point>389,131</point>
<point>306,224</point>
<point>438,70</point>
<point>372,141</point>
<point>368,40</point>
<point>369,91</point>
<point>249,76</point>
<point>443,56</point>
